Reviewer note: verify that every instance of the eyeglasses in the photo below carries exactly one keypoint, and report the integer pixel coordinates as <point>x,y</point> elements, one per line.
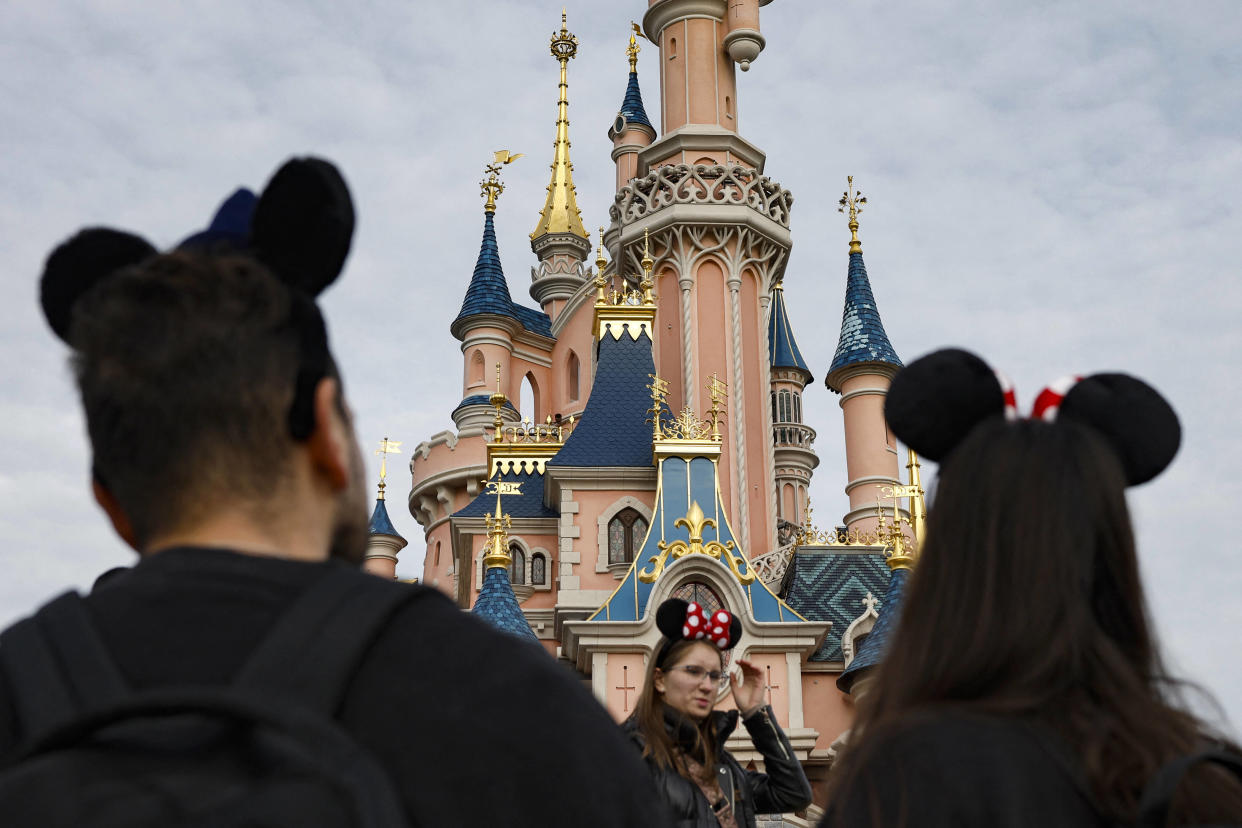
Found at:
<point>697,673</point>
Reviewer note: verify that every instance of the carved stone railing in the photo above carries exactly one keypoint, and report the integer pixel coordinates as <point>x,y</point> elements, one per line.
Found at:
<point>770,567</point>
<point>701,184</point>
<point>796,435</point>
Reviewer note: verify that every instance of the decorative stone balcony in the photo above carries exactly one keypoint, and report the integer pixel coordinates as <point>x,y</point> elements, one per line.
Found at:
<point>793,435</point>
<point>698,185</point>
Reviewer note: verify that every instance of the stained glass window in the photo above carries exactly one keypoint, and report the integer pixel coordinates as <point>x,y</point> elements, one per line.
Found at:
<point>538,570</point>
<point>625,533</point>
<point>517,569</point>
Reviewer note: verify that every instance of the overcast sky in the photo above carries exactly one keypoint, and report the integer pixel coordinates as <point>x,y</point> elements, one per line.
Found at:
<point>1052,184</point>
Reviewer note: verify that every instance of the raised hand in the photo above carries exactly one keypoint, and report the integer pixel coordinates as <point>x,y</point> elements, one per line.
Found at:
<point>747,688</point>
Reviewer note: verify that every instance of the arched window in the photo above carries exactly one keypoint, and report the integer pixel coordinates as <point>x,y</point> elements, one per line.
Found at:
<point>572,371</point>
<point>477,369</point>
<point>528,399</point>
<point>701,594</point>
<point>538,570</point>
<point>517,569</point>
<point>437,553</point>
<point>625,533</point>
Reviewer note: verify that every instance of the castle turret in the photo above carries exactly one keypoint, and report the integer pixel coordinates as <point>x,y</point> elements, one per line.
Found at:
<point>497,604</point>
<point>791,437</point>
<point>632,130</point>
<point>861,371</point>
<point>559,239</point>
<point>384,541</point>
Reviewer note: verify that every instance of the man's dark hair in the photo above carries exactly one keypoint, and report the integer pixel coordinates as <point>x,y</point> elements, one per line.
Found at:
<point>186,365</point>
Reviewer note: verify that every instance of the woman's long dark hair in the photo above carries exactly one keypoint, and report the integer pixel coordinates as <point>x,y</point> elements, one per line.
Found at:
<point>659,746</point>
<point>1027,602</point>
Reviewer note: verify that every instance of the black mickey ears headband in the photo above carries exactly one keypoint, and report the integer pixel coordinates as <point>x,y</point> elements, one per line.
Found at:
<point>300,228</point>
<point>679,620</point>
<point>937,400</point>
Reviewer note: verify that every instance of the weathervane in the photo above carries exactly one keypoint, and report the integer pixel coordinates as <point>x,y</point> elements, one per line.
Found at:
<point>854,202</point>
<point>386,448</point>
<point>633,49</point>
<point>491,186</point>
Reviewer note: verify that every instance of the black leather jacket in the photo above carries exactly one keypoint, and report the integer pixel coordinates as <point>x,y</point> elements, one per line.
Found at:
<point>784,788</point>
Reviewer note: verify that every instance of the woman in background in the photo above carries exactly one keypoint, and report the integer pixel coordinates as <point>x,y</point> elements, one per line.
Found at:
<point>1023,686</point>
<point>682,737</point>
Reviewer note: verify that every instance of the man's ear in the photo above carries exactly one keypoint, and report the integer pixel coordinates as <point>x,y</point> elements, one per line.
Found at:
<point>120,521</point>
<point>329,444</point>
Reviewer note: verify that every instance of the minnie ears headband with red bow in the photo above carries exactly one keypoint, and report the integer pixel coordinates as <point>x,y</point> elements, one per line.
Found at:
<point>937,400</point>
<point>300,228</point>
<point>679,619</point>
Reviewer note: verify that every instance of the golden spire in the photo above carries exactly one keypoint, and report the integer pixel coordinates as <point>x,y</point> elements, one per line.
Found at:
<point>647,263</point>
<point>386,448</point>
<point>560,212</point>
<point>633,49</point>
<point>854,202</point>
<point>498,401</point>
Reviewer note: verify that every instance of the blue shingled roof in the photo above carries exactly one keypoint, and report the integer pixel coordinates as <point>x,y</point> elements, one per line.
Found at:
<point>632,106</point>
<point>499,608</point>
<point>831,586</point>
<point>872,651</point>
<point>862,332</point>
<point>614,430</point>
<point>380,524</point>
<point>528,504</point>
<point>782,347</point>
<point>489,292</point>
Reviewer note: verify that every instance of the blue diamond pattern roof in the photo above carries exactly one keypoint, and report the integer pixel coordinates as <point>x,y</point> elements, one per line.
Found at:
<point>498,607</point>
<point>632,106</point>
<point>489,292</point>
<point>872,651</point>
<point>862,332</point>
<point>614,430</point>
<point>831,586</point>
<point>782,347</point>
<point>380,524</point>
<point>528,504</point>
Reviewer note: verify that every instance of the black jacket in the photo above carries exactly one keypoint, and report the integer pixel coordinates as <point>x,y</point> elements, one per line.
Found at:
<point>427,701</point>
<point>784,788</point>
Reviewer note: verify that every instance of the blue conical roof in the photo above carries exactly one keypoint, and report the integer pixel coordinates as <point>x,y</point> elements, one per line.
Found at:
<point>499,607</point>
<point>782,347</point>
<point>489,292</point>
<point>863,339</point>
<point>380,524</point>
<point>873,649</point>
<point>632,106</point>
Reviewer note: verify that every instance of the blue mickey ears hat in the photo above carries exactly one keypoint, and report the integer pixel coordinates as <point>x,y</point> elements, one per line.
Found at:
<point>300,228</point>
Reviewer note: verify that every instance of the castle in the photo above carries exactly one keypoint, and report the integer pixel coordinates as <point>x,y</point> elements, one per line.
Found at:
<point>663,451</point>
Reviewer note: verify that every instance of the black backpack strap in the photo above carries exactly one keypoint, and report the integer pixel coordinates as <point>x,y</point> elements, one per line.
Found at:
<point>314,648</point>
<point>58,666</point>
<point>1158,795</point>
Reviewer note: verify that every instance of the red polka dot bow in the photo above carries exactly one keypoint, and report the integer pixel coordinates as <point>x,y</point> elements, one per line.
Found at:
<point>714,628</point>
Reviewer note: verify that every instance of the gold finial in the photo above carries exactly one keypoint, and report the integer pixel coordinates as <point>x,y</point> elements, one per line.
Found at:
<point>498,526</point>
<point>560,212</point>
<point>918,504</point>
<point>659,389</point>
<point>633,49</point>
<point>498,400</point>
<point>854,202</point>
<point>600,261</point>
<point>386,448</point>
<point>646,284</point>
<point>718,391</point>
<point>491,184</point>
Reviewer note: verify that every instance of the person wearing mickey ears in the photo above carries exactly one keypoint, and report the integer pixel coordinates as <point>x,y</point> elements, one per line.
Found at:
<point>682,736</point>
<point>1022,687</point>
<point>224,453</point>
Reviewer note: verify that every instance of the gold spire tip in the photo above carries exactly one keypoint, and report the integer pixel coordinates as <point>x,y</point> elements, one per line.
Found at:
<point>386,448</point>
<point>853,201</point>
<point>633,49</point>
<point>600,261</point>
